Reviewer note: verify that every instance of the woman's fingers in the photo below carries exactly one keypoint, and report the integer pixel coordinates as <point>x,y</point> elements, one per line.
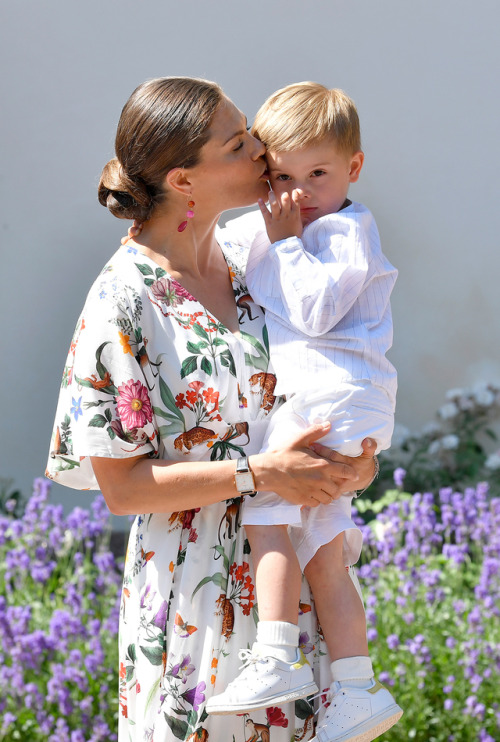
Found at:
<point>369,447</point>
<point>313,433</point>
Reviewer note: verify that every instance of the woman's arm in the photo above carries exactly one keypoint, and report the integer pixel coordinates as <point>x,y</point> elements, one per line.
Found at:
<point>143,485</point>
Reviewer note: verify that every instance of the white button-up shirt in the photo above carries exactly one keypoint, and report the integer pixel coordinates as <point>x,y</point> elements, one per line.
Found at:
<point>326,298</point>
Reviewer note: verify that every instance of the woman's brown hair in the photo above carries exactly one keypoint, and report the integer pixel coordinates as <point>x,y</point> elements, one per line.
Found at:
<point>163,125</point>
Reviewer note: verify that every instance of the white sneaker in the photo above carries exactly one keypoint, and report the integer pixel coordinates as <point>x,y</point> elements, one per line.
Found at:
<point>356,714</point>
<point>265,681</point>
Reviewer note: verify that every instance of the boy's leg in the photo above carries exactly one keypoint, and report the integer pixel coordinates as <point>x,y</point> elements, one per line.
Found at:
<point>338,605</point>
<point>276,671</point>
<point>278,575</point>
<point>360,708</point>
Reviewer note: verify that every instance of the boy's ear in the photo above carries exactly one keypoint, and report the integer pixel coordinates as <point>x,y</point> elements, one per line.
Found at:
<point>356,164</point>
<point>178,180</point>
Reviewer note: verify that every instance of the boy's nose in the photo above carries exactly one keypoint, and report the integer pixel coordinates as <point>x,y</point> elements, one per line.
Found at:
<point>301,192</point>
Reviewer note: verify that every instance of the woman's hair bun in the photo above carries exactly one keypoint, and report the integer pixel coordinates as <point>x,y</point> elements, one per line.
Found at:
<point>125,197</point>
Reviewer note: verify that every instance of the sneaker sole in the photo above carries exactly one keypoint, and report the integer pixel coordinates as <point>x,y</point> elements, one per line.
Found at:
<point>372,729</point>
<point>264,703</point>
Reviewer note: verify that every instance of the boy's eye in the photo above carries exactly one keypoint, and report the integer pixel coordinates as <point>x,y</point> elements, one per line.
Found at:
<point>283,177</point>
<point>317,173</point>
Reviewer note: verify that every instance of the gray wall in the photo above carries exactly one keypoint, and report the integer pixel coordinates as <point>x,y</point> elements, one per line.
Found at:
<point>425,77</point>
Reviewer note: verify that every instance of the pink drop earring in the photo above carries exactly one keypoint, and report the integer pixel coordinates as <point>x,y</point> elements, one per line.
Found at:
<point>189,215</point>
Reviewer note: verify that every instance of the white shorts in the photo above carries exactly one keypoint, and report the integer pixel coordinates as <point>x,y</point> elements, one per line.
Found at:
<point>355,413</point>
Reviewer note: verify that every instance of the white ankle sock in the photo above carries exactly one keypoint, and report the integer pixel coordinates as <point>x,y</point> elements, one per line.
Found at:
<point>354,671</point>
<point>278,639</point>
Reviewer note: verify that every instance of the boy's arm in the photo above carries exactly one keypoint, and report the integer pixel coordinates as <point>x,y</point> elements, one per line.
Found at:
<point>311,293</point>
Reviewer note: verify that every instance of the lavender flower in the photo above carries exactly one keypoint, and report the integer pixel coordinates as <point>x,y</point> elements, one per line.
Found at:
<point>57,646</point>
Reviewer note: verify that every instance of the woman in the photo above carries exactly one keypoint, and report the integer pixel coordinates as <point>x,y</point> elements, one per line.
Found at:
<point>167,382</point>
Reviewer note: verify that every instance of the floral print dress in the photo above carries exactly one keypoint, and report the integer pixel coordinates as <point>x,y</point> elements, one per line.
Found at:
<point>150,371</point>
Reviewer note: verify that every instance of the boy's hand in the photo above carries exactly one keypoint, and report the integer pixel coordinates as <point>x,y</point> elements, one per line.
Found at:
<point>283,220</point>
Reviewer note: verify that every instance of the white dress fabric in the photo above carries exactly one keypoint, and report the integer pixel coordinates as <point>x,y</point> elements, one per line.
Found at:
<point>151,371</point>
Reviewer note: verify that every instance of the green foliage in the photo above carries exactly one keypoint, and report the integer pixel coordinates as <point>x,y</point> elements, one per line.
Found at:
<point>456,449</point>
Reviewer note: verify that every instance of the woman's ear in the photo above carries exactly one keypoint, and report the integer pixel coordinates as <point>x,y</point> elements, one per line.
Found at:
<point>178,180</point>
<point>356,164</point>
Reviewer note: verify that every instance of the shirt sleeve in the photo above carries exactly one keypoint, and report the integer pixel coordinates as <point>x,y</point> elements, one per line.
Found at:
<point>311,283</point>
<point>104,407</point>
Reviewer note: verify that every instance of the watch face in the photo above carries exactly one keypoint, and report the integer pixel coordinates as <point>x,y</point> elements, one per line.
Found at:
<point>244,481</point>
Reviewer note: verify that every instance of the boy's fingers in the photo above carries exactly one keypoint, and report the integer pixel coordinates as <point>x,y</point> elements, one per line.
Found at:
<point>296,196</point>
<point>285,203</point>
<point>264,210</point>
<point>274,205</point>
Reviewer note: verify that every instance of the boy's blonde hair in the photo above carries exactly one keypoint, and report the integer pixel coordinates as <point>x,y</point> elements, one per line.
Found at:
<point>307,113</point>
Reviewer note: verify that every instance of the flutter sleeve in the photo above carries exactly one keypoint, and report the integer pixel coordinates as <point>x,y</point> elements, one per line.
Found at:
<point>104,407</point>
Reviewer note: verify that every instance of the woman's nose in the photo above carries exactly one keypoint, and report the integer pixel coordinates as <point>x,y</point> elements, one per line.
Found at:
<point>259,149</point>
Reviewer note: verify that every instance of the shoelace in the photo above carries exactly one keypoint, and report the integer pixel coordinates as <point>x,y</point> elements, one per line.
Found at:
<point>328,696</point>
<point>248,657</point>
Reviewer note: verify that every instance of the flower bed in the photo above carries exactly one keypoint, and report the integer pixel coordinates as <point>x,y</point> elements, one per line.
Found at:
<point>59,606</point>
<point>431,582</point>
<point>430,574</point>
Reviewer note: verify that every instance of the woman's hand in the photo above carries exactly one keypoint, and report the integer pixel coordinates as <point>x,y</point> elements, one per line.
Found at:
<point>365,465</point>
<point>305,472</point>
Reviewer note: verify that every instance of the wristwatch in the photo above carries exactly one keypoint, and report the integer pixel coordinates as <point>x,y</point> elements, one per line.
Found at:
<point>243,477</point>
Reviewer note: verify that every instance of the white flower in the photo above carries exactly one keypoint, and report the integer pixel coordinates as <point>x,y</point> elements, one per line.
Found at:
<point>455,393</point>
<point>431,428</point>
<point>450,441</point>
<point>466,403</point>
<point>493,461</point>
<point>448,410</point>
<point>435,447</point>
<point>67,543</point>
<point>484,397</point>
<point>380,529</point>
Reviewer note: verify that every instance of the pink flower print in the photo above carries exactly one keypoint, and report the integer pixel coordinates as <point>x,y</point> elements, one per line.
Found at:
<point>133,405</point>
<point>181,291</point>
<point>196,385</point>
<point>169,292</point>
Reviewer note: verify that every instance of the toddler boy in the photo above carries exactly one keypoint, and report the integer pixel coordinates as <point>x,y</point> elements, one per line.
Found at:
<point>316,266</point>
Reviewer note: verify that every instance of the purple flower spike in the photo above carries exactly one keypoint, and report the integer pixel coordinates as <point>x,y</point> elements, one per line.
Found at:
<point>399,476</point>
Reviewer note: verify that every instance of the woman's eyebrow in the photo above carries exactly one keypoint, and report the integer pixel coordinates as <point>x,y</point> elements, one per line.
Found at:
<point>237,133</point>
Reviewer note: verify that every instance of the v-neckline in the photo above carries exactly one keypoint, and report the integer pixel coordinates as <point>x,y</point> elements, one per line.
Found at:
<point>236,335</point>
